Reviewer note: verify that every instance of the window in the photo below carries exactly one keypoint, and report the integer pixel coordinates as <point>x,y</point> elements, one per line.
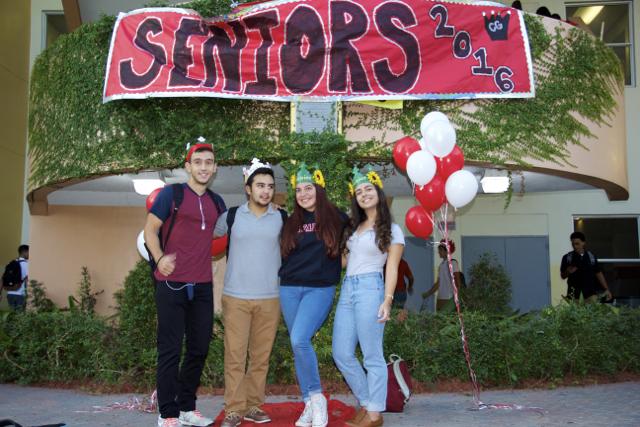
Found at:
<point>54,26</point>
<point>611,22</point>
<point>615,242</point>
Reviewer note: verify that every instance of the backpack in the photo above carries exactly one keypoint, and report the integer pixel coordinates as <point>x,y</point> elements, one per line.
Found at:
<point>178,197</point>
<point>463,280</point>
<point>399,384</point>
<point>12,276</point>
<point>231,217</point>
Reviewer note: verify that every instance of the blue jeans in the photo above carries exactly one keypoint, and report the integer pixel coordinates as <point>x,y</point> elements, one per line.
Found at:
<point>356,321</point>
<point>16,302</point>
<point>305,308</point>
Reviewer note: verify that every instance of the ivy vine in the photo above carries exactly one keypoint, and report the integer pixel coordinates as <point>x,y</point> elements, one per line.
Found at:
<point>72,134</point>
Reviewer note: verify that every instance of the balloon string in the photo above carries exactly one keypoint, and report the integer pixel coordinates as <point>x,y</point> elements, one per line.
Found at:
<point>443,229</point>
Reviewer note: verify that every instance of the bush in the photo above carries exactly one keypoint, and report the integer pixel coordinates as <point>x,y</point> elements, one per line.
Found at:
<point>571,339</point>
<point>132,339</point>
<point>38,299</point>
<point>51,346</point>
<point>489,289</point>
<point>86,302</point>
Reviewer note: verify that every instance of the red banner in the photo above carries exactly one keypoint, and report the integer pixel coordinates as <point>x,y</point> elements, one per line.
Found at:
<point>323,50</point>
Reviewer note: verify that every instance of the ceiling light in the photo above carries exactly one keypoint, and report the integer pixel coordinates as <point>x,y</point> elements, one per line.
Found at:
<point>495,181</point>
<point>589,13</point>
<point>146,186</point>
<point>495,184</point>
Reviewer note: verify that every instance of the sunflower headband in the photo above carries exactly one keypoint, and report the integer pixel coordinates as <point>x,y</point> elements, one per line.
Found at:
<point>303,176</point>
<point>371,177</point>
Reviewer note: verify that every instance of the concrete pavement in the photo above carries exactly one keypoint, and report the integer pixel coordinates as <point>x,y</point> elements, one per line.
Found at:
<point>610,405</point>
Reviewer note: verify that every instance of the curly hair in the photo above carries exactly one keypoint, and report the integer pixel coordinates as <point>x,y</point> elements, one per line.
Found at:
<point>382,226</point>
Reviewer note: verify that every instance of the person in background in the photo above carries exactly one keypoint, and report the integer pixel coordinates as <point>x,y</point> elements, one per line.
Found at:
<point>17,298</point>
<point>443,283</point>
<point>583,273</point>
<point>404,288</point>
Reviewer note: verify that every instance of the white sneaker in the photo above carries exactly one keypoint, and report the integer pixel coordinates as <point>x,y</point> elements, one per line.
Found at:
<point>194,418</point>
<point>306,418</point>
<point>319,418</point>
<point>168,422</point>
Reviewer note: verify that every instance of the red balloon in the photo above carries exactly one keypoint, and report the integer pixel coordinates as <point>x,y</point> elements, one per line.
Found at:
<point>431,195</point>
<point>450,164</point>
<point>402,149</point>
<point>219,245</point>
<point>418,221</point>
<point>152,198</point>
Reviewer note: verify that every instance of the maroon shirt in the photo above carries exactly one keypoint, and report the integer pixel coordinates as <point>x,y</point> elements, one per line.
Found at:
<point>189,241</point>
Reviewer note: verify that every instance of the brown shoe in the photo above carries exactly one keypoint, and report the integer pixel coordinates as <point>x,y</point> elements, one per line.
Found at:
<point>232,419</point>
<point>257,415</point>
<point>366,421</point>
<point>360,413</point>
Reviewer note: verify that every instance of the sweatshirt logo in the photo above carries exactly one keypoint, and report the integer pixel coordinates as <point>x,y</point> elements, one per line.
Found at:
<point>307,228</point>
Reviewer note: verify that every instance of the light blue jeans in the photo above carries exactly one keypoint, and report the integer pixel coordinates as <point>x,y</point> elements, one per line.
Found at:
<point>305,308</point>
<point>356,321</point>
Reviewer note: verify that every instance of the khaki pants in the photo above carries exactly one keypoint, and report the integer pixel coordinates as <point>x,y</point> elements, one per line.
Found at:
<point>250,328</point>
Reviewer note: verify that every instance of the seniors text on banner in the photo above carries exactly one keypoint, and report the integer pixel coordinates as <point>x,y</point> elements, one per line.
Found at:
<point>323,50</point>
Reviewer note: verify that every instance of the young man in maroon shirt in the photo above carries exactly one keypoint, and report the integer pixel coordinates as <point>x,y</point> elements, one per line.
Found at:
<point>184,287</point>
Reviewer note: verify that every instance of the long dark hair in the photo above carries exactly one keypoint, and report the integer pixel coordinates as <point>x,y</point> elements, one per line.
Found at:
<point>328,225</point>
<point>382,226</point>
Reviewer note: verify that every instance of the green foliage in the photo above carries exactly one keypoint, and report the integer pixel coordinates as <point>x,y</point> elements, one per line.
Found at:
<point>74,135</point>
<point>132,348</point>
<point>506,350</point>
<point>86,302</point>
<point>38,299</point>
<point>51,346</point>
<point>489,289</point>
<point>326,149</point>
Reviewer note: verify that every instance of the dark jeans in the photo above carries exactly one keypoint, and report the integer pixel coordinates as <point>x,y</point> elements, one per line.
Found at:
<point>178,316</point>
<point>16,302</point>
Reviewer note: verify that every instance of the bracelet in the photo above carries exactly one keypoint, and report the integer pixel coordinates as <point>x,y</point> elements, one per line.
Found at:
<point>389,295</point>
<point>158,261</point>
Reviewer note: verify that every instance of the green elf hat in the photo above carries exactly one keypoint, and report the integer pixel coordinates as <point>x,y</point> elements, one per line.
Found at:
<point>303,176</point>
<point>358,179</point>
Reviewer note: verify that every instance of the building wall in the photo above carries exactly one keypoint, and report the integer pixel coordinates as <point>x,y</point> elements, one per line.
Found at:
<point>14,78</point>
<point>102,238</point>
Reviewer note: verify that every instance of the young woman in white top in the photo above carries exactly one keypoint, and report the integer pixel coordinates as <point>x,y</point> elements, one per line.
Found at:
<point>366,297</point>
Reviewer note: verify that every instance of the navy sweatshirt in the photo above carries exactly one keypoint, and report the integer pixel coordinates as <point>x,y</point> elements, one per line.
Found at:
<point>308,263</point>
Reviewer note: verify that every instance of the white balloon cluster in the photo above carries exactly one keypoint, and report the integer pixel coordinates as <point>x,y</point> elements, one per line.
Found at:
<point>438,141</point>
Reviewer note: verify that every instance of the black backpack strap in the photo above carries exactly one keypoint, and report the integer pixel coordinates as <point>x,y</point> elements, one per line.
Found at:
<point>231,217</point>
<point>283,215</point>
<point>178,197</point>
<point>217,201</point>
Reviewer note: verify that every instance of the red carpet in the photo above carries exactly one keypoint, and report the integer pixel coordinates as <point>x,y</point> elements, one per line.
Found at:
<point>285,414</point>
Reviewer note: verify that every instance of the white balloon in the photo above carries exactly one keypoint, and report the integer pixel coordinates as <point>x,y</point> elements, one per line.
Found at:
<point>423,144</point>
<point>440,137</point>
<point>431,117</point>
<point>461,188</point>
<point>140,244</point>
<point>421,167</point>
